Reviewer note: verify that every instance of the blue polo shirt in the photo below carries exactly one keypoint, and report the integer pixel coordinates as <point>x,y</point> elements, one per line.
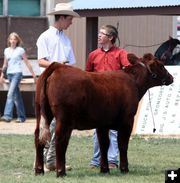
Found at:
<point>14,58</point>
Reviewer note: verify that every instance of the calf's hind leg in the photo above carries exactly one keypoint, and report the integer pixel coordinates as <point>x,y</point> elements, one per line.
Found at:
<point>63,134</point>
<point>39,162</point>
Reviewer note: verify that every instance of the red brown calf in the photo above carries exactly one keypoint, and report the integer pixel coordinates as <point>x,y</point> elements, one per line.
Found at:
<point>86,100</point>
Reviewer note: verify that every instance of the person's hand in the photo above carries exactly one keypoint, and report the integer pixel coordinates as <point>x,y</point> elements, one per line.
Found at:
<point>2,80</point>
<point>64,62</point>
<point>35,79</point>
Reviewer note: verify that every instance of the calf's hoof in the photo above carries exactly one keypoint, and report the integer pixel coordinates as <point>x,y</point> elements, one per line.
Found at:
<point>124,169</point>
<point>39,171</point>
<point>104,170</point>
<point>61,173</point>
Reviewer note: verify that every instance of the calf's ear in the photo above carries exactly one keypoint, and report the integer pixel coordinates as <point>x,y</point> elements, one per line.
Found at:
<point>133,59</point>
<point>170,38</point>
<point>148,57</point>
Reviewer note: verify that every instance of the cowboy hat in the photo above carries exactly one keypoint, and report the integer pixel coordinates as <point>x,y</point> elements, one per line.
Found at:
<point>64,9</point>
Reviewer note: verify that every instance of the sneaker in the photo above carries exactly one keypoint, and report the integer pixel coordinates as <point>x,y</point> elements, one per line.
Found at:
<point>68,168</point>
<point>50,167</point>
<point>46,169</point>
<point>93,166</point>
<point>20,121</point>
<point>112,165</point>
<point>5,120</point>
<point>53,168</point>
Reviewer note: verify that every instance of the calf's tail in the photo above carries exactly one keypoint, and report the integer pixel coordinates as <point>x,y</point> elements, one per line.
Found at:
<point>44,114</point>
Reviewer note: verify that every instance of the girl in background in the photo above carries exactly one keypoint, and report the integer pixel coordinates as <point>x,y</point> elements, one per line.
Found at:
<point>12,66</point>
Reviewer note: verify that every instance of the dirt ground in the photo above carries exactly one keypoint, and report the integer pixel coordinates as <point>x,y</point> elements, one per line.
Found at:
<point>28,128</point>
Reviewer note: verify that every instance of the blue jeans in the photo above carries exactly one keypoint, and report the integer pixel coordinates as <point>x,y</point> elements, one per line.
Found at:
<point>14,97</point>
<point>113,151</point>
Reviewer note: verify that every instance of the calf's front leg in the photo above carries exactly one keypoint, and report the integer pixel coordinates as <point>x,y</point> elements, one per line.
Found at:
<point>103,138</point>
<point>123,141</point>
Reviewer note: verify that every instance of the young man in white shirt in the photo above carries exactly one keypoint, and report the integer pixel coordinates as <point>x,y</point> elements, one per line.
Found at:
<point>54,46</point>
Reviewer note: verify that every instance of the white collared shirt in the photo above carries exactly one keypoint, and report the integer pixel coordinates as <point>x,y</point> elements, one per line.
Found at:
<point>54,45</point>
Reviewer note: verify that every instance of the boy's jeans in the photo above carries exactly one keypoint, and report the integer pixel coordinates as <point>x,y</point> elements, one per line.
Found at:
<point>113,151</point>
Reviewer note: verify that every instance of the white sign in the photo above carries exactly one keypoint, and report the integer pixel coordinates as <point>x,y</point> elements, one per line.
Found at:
<point>165,102</point>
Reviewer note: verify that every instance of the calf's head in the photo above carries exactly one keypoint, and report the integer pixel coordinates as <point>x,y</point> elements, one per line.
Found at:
<point>157,70</point>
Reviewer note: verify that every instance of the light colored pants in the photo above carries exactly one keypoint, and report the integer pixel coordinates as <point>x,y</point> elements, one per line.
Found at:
<point>113,151</point>
<point>50,149</point>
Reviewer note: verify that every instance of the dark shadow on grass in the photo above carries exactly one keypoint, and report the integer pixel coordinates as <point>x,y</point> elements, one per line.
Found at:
<point>135,170</point>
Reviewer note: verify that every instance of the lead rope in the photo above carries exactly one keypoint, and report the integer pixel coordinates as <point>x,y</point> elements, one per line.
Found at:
<point>154,128</point>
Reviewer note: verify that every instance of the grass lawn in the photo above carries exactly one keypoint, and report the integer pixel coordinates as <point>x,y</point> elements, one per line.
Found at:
<point>148,159</point>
